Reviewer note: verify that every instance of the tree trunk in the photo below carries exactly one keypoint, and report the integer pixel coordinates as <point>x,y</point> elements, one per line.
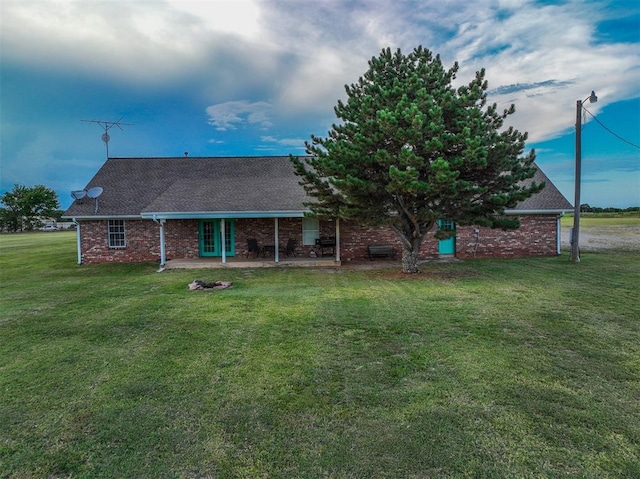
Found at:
<point>411,240</point>
<point>410,257</point>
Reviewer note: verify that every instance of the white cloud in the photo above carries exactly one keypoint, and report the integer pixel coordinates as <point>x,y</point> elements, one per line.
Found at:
<point>297,143</point>
<point>300,55</point>
<point>236,17</point>
<point>153,42</point>
<point>226,116</point>
<point>315,85</point>
<point>552,48</point>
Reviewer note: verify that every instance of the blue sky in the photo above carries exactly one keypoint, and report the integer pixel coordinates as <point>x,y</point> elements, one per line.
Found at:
<point>248,77</point>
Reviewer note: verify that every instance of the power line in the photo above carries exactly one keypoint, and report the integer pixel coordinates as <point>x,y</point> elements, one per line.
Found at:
<point>609,130</point>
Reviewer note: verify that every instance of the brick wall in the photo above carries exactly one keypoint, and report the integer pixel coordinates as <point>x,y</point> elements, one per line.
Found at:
<point>180,238</point>
<point>355,239</point>
<point>537,236</point>
<point>142,242</point>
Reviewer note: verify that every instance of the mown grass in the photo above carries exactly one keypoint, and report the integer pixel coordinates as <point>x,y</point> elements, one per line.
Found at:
<point>488,368</point>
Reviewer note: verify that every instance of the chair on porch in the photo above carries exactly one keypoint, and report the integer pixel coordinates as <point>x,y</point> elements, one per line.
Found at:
<point>253,247</point>
<point>290,248</point>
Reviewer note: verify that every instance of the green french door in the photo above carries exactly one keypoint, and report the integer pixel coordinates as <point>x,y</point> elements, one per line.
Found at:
<point>210,240</point>
<point>447,246</point>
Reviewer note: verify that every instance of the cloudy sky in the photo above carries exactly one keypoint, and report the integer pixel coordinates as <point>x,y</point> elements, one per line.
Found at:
<point>258,77</point>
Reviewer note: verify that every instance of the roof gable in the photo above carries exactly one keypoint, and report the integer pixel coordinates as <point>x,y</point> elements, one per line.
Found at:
<point>549,199</point>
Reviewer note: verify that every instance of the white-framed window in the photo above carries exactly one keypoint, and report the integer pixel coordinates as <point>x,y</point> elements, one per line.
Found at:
<point>115,234</point>
<point>310,231</point>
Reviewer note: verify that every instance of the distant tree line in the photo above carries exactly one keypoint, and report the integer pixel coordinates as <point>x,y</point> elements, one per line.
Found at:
<point>24,208</point>
<point>586,208</point>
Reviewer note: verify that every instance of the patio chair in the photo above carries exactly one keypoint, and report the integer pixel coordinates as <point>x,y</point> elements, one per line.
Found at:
<point>252,247</point>
<point>290,249</point>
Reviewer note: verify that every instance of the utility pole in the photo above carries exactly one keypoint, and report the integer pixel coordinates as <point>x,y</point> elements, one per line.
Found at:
<point>575,236</point>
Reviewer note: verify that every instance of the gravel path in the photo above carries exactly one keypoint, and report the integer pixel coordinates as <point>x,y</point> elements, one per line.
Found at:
<point>606,237</point>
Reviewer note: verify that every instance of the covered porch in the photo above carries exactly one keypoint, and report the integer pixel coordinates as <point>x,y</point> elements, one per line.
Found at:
<point>247,240</point>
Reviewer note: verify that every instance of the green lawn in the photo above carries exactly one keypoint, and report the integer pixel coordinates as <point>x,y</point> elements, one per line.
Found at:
<point>525,368</point>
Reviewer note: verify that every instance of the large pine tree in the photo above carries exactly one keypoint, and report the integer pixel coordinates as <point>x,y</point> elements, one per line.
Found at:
<point>411,149</point>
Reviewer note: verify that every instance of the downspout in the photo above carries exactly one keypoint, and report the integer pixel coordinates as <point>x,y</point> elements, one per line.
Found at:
<point>338,240</point>
<point>276,249</point>
<point>163,258</point>
<point>558,235</point>
<point>79,247</point>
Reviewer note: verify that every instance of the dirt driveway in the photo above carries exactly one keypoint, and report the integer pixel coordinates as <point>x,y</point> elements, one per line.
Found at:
<point>605,237</point>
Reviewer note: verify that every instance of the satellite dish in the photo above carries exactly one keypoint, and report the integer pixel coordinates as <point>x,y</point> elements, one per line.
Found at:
<point>79,194</point>
<point>94,192</point>
<point>106,137</point>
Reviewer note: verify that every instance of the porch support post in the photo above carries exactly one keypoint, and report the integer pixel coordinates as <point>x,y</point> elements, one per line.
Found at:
<point>223,237</point>
<point>276,248</point>
<point>78,240</point>
<point>558,235</point>
<point>337,239</point>
<point>163,257</point>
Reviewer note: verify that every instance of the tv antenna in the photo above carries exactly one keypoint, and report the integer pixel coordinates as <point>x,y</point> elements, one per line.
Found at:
<point>106,126</point>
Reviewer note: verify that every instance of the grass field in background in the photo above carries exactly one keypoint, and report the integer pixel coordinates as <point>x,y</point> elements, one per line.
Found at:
<point>603,219</point>
<point>522,368</point>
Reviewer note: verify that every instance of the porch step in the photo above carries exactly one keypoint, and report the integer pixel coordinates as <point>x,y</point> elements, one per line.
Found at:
<point>202,263</point>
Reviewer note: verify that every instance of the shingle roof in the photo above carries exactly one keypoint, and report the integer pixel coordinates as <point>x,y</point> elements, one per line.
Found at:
<point>549,198</point>
<point>244,185</point>
<point>135,186</point>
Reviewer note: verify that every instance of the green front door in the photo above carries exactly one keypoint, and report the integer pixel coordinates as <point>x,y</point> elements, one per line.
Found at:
<point>447,246</point>
<point>210,240</point>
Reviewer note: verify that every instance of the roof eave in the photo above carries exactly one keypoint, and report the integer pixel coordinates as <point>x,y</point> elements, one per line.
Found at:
<point>179,215</point>
<point>101,217</point>
<point>536,212</point>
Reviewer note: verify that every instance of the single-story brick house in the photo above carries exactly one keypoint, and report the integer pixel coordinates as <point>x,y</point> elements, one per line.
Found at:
<point>158,209</point>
